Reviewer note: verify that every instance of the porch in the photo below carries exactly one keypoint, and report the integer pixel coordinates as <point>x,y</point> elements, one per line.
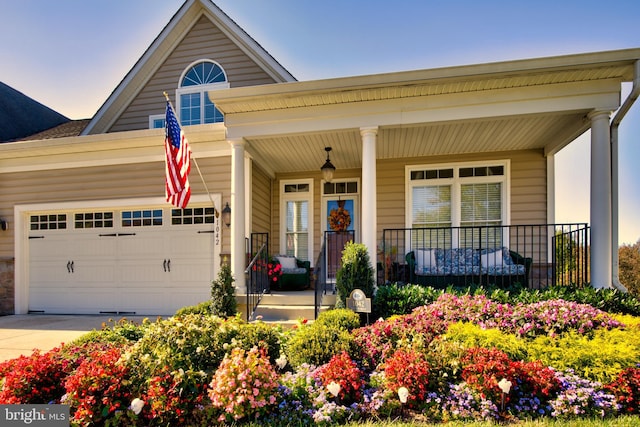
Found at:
<point>535,256</point>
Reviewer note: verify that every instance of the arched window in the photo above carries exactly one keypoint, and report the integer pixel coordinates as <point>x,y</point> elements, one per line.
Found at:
<point>194,105</point>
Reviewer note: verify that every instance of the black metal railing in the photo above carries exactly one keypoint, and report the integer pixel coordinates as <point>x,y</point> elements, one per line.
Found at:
<point>319,280</point>
<point>256,273</point>
<point>571,256</point>
<point>328,262</point>
<point>551,253</point>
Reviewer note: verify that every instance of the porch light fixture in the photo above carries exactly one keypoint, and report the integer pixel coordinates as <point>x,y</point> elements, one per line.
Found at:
<point>328,169</point>
<point>4,224</point>
<point>226,215</point>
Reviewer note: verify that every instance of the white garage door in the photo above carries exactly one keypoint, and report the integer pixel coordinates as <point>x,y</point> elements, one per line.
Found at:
<point>121,261</point>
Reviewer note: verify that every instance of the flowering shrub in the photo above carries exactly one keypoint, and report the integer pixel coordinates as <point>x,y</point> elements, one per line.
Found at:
<point>626,389</point>
<point>197,369</point>
<point>579,397</point>
<point>244,385</point>
<point>533,383</point>
<point>38,378</point>
<point>344,372</point>
<point>274,272</point>
<point>408,369</point>
<point>97,389</point>
<point>483,368</point>
<point>376,342</point>
<point>465,403</point>
<point>174,397</point>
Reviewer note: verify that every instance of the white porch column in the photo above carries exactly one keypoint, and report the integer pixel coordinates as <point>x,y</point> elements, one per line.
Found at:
<point>600,200</point>
<point>369,188</point>
<point>237,214</point>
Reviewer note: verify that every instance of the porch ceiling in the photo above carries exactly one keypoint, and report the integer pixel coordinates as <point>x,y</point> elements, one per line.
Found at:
<point>305,152</point>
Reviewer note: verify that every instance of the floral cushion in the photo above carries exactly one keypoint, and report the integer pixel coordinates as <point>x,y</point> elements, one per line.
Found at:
<point>466,261</point>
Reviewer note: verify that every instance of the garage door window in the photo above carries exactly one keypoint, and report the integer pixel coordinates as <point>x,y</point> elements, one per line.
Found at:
<point>142,218</point>
<point>193,216</point>
<point>48,222</point>
<point>93,220</point>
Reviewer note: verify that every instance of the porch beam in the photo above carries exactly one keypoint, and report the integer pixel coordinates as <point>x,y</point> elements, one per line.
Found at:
<point>238,214</point>
<point>601,270</point>
<point>369,197</point>
<point>564,98</point>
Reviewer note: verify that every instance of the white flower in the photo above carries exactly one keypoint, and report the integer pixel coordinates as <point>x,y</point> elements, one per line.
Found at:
<point>505,385</point>
<point>403,393</point>
<point>334,388</point>
<point>281,361</point>
<point>136,405</point>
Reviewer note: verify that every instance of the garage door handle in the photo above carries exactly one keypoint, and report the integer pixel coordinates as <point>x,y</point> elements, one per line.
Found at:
<point>69,266</point>
<point>169,265</point>
<point>164,265</point>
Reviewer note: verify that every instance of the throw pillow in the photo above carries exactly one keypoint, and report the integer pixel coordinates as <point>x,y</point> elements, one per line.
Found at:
<point>492,259</point>
<point>287,262</point>
<point>425,258</point>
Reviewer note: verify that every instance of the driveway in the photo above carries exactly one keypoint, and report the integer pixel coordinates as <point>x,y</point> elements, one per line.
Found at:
<point>22,333</point>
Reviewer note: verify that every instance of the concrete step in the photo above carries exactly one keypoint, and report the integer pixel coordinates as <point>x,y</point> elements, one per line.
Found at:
<point>287,307</point>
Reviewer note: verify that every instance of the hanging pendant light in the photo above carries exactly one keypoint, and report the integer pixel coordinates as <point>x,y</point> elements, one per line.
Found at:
<point>328,169</point>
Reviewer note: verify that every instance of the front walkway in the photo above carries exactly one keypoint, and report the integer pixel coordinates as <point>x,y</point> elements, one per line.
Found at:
<point>22,333</point>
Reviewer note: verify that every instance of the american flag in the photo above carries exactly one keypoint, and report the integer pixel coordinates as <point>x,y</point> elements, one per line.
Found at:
<point>178,162</point>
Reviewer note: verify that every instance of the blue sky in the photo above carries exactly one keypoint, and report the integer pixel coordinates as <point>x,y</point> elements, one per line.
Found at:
<point>71,54</point>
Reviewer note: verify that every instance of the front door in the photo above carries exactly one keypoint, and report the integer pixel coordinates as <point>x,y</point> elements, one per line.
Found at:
<point>340,211</point>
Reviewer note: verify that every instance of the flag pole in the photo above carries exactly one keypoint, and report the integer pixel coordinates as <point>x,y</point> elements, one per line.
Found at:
<point>217,214</point>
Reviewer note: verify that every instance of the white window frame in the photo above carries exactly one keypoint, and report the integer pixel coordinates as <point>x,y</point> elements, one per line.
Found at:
<point>289,197</point>
<point>202,89</point>
<point>155,117</point>
<point>456,183</point>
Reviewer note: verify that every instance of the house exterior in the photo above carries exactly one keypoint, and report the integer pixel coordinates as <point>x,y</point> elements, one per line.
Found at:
<point>90,231</point>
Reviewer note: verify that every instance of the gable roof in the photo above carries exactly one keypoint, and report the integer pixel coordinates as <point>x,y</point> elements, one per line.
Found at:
<point>168,39</point>
<point>21,116</point>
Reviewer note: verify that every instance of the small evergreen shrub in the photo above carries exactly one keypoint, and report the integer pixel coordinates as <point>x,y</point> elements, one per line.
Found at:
<point>223,297</point>
<point>355,272</point>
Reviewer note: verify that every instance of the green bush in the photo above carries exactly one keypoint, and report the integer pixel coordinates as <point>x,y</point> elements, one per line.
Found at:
<point>470,335</point>
<point>599,357</point>
<point>123,331</point>
<point>339,318</point>
<point>355,272</point>
<point>189,342</point>
<point>316,344</point>
<point>395,299</point>
<point>223,297</point>
<point>205,308</point>
<point>262,335</point>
